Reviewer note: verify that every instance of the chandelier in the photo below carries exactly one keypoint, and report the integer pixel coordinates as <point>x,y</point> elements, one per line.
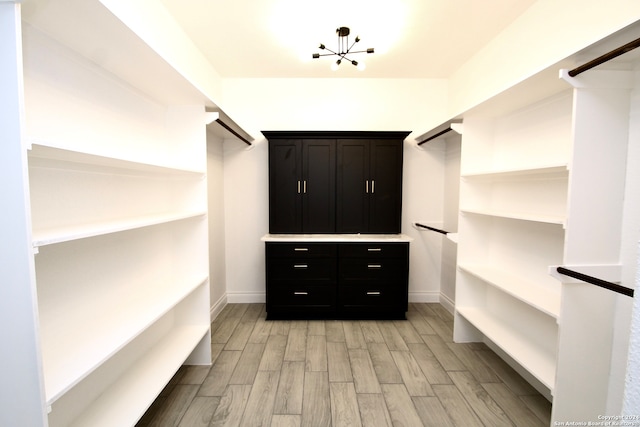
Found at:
<point>343,50</point>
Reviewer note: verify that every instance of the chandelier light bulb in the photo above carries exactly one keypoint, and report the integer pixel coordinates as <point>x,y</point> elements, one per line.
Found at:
<point>361,66</point>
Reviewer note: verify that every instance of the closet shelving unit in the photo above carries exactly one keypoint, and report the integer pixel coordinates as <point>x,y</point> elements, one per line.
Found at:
<point>543,169</point>
<point>115,143</point>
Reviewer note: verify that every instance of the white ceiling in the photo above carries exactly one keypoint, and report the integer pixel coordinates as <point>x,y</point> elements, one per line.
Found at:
<point>276,38</point>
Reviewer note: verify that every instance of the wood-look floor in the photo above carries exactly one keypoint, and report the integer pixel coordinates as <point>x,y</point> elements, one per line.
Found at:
<point>346,373</point>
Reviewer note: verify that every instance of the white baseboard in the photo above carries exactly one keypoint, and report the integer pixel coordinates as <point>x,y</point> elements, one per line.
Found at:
<point>448,303</point>
<point>424,296</point>
<point>217,307</point>
<point>246,297</point>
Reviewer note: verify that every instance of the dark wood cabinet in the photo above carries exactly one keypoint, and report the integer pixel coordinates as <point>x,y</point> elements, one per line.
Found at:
<point>337,280</point>
<point>369,185</point>
<point>302,185</point>
<point>335,182</point>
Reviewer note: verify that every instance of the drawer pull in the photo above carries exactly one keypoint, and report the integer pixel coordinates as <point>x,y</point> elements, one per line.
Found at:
<point>301,249</point>
<point>301,293</point>
<point>374,249</point>
<point>373,293</point>
<point>300,266</point>
<point>374,265</point>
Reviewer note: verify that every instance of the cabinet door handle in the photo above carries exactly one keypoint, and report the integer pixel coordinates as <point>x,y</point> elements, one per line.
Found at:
<point>373,293</point>
<point>366,186</point>
<point>300,266</point>
<point>374,249</point>
<point>374,265</point>
<point>304,185</point>
<point>373,186</point>
<point>301,293</point>
<point>298,187</point>
<point>301,249</point>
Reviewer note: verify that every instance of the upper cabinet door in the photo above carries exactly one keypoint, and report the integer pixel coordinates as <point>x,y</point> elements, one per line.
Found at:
<point>285,186</point>
<point>385,187</point>
<point>318,185</point>
<point>352,192</point>
<point>369,194</point>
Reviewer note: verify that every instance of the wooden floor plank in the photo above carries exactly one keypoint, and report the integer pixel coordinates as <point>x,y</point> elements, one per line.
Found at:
<point>353,335</point>
<point>316,353</point>
<point>429,365</point>
<point>344,405</point>
<point>231,407</point>
<point>175,405</point>
<point>373,410</point>
<point>338,363</point>
<point>296,344</point>
<point>364,375</point>
<point>260,403</point>
<point>407,332</point>
<point>290,389</point>
<point>506,373</point>
<point>247,366</point>
<point>443,353</point>
<point>261,331</point>
<point>316,404</point>
<point>216,382</point>
<point>474,364</point>
<point>400,405</point>
<point>200,412</point>
<point>273,354</point>
<point>512,405</point>
<point>335,332</point>
<point>240,336</point>
<point>415,381</point>
<point>317,327</point>
<point>285,421</point>
<point>431,412</point>
<point>383,364</point>
<point>371,331</point>
<point>483,405</point>
<point>392,336</point>
<point>456,406</point>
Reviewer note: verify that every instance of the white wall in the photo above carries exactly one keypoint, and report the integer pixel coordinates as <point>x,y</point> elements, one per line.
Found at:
<point>548,32</point>
<point>216,217</point>
<point>630,257</point>
<point>327,104</point>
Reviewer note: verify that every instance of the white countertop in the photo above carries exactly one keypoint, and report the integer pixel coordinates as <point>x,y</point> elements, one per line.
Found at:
<point>336,238</point>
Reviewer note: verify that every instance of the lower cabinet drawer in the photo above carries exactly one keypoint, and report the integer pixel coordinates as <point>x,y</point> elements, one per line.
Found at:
<point>387,297</point>
<point>361,269</point>
<point>301,297</point>
<point>293,270</point>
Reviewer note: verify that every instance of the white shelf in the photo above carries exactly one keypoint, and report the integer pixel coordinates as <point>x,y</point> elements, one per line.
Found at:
<point>45,154</point>
<point>539,297</point>
<point>65,234</point>
<point>109,335</point>
<point>522,216</point>
<point>543,170</point>
<point>124,401</point>
<point>532,357</point>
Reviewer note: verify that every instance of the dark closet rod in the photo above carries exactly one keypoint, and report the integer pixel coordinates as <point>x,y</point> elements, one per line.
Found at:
<point>606,57</point>
<point>595,281</point>
<point>227,127</point>
<point>437,230</point>
<point>435,136</point>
